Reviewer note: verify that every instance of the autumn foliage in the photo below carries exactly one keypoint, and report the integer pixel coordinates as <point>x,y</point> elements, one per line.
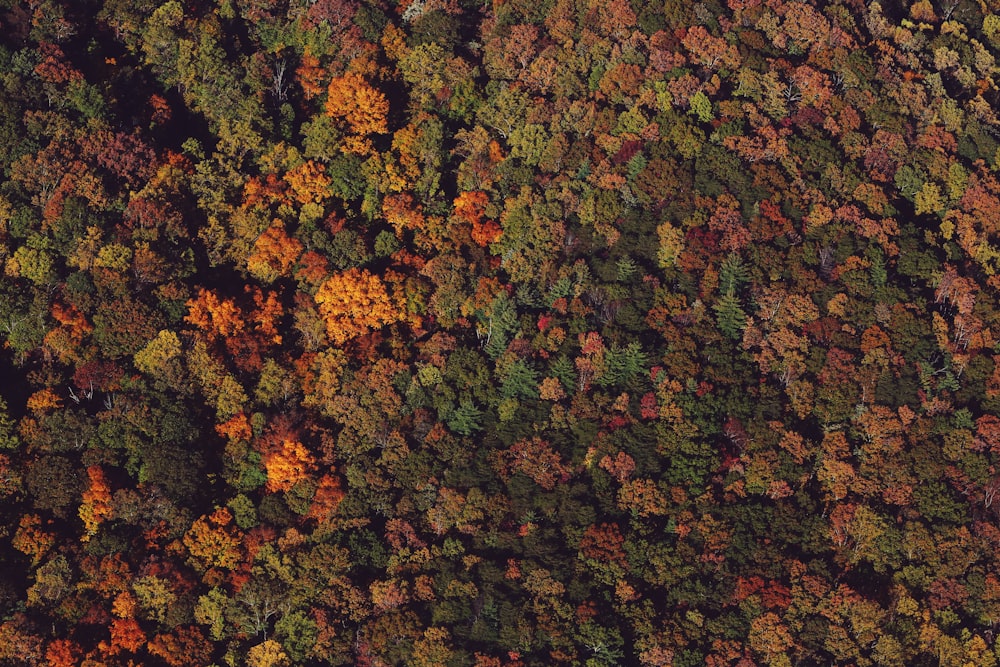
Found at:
<point>354,302</point>
<point>504,334</point>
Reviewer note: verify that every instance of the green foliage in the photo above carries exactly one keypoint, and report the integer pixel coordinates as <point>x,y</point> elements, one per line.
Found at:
<point>622,365</point>
<point>519,380</point>
<point>297,634</point>
<point>733,274</point>
<point>8,436</point>
<point>729,315</point>
<point>466,418</point>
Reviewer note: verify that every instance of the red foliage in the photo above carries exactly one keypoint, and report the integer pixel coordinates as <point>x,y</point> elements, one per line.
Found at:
<point>603,542</point>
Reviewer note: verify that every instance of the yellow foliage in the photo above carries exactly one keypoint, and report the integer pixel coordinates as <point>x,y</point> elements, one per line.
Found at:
<point>211,540</point>
<point>159,351</point>
<point>671,244</point>
<point>309,183</point>
<point>267,654</point>
<point>124,605</point>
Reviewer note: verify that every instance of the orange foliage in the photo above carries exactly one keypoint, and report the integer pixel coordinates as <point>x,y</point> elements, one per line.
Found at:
<point>326,499</point>
<point>389,594</point>
<point>309,183</point>
<point>621,467</point>
<point>604,543</point>
<point>256,191</point>
<point>470,207</point>
<point>274,253</point>
<point>353,100</point>
<point>62,653</point>
<point>237,428</point>
<point>642,498</point>
<point>65,339</point>
<point>287,464</point>
<point>111,574</point>
<point>218,317</point>
<point>312,268</point>
<point>310,75</point>
<point>402,212</point>
<point>126,635</point>
<point>535,458</point>
<point>96,505</point>
<point>43,401</point>
<point>184,646</point>
<point>268,310</point>
<point>354,302</point>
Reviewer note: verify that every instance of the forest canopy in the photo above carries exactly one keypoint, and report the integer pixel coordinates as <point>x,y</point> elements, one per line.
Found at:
<point>508,333</point>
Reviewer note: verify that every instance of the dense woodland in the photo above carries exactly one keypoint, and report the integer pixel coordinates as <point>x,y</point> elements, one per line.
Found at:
<point>503,333</point>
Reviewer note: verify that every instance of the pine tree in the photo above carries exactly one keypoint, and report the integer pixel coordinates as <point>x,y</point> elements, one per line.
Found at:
<point>730,316</point>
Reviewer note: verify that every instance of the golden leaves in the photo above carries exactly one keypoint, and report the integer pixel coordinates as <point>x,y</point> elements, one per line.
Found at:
<point>353,303</point>
<point>354,101</point>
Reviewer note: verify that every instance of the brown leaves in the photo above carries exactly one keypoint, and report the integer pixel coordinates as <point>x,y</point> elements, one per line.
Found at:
<point>535,458</point>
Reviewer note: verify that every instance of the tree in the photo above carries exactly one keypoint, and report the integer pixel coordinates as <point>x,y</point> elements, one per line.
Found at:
<point>31,540</point>
<point>96,506</point>
<point>159,356</point>
<point>218,317</point>
<point>213,542</point>
<point>710,51</point>
<point>267,654</point>
<point>182,647</point>
<point>354,302</point>
<point>286,464</point>
<point>62,653</point>
<point>126,635</point>
<point>769,637</point>
<point>470,207</point>
<point>8,437</point>
<point>535,458</point>
<point>274,253</point>
<point>362,108</point>
<point>730,316</point>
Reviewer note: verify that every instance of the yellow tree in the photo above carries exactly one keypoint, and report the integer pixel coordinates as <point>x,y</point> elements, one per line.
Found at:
<point>212,541</point>
<point>160,356</point>
<point>267,654</point>
<point>309,183</point>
